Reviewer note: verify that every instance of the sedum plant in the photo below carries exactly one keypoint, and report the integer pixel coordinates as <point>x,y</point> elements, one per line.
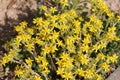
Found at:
<point>62,44</point>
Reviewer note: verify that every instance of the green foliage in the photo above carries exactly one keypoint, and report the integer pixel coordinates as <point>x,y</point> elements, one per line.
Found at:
<point>62,44</point>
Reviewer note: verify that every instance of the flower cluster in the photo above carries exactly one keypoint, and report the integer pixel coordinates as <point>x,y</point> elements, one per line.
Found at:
<point>64,44</point>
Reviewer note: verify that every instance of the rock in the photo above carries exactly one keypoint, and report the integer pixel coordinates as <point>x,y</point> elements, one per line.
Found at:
<point>12,12</point>
<point>114,5</point>
<point>115,75</point>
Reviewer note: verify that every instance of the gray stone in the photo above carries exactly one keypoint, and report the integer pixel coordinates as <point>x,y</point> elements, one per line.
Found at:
<point>115,75</point>
<point>114,5</point>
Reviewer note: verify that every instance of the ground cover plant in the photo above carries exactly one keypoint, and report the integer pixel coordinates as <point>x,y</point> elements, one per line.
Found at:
<point>63,44</point>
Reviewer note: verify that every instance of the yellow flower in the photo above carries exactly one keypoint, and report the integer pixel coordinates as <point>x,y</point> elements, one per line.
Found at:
<point>89,73</point>
<point>110,14</point>
<point>76,23</point>
<point>76,31</point>
<point>105,66</point>
<point>68,63</point>
<point>43,7</point>
<point>98,77</point>
<point>12,52</point>
<point>23,24</point>
<point>81,72</point>
<point>70,40</point>
<point>101,56</point>
<point>62,18</point>
<point>111,33</point>
<point>81,19</point>
<point>73,13</point>
<point>63,2</point>
<point>55,35</point>
<point>100,6</point>
<point>46,50</point>
<point>45,71</point>
<point>46,31</point>
<point>85,47</point>
<point>37,78</point>
<point>86,40</point>
<point>84,59</point>
<point>46,23</point>
<point>53,48</point>
<point>59,62</point>
<point>118,17</point>
<point>38,21</point>
<point>64,56</point>
<point>67,75</point>
<point>111,29</point>
<point>6,58</point>
<point>59,43</point>
<point>38,41</point>
<point>19,29</point>
<point>53,24</point>
<point>39,59</point>
<point>112,58</point>
<point>18,72</point>
<point>30,31</point>
<point>64,27</point>
<point>52,9</point>
<point>60,71</point>
<point>48,15</point>
<point>44,63</point>
<point>96,47</point>
<point>92,28</point>
<point>30,46</point>
<point>25,38</point>
<point>29,62</point>
<point>54,18</point>
<point>103,44</point>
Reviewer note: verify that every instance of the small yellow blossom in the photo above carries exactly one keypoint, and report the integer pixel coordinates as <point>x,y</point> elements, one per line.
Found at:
<point>98,77</point>
<point>85,47</point>
<point>105,66</point>
<point>67,75</point>
<point>84,59</point>
<point>38,21</point>
<point>46,50</point>
<point>59,43</point>
<point>37,78</point>
<point>112,58</point>
<point>30,46</point>
<point>118,17</point>
<point>81,72</point>
<point>53,48</point>
<point>52,9</point>
<point>63,2</point>
<point>19,70</point>
<point>44,63</point>
<point>101,56</point>
<point>89,73</point>
<point>76,23</point>
<point>29,62</point>
<point>19,73</point>
<point>60,71</point>
<point>43,7</point>
<point>39,59</point>
<point>64,56</point>
<point>96,47</point>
